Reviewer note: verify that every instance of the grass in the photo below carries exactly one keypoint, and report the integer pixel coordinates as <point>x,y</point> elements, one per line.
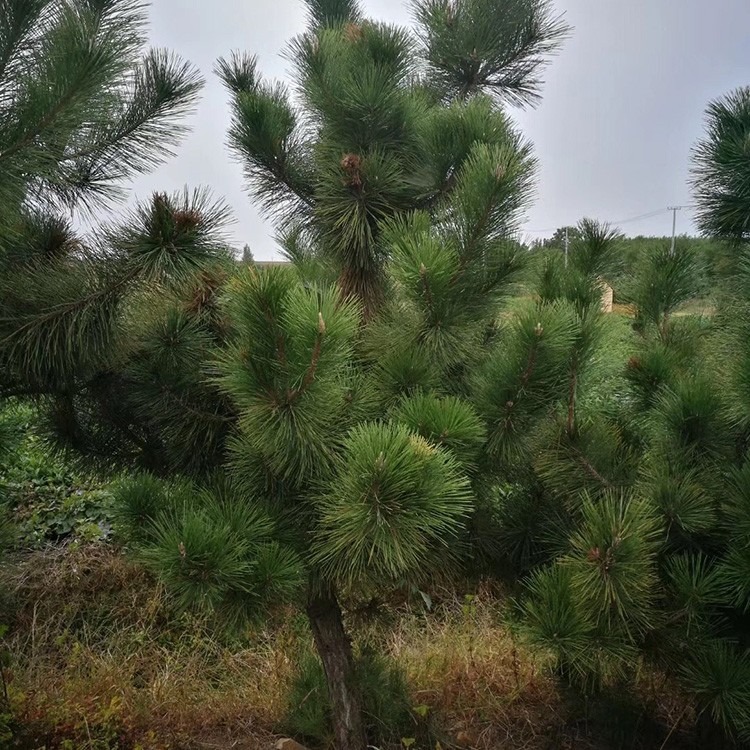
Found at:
<point>469,669</point>
<point>98,659</point>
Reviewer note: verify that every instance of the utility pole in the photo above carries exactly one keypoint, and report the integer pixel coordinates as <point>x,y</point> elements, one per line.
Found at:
<point>566,247</point>
<point>674,210</point>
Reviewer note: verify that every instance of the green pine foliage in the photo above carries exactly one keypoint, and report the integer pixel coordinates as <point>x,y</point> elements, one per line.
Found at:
<point>84,105</point>
<point>468,54</point>
<point>215,554</point>
<point>612,556</point>
<point>694,586</point>
<point>718,675</point>
<point>141,499</point>
<point>720,168</point>
<point>655,573</point>
<point>376,415</point>
<point>395,510</point>
<point>447,421</point>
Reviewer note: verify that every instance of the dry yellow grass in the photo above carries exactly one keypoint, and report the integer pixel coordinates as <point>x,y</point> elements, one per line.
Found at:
<point>468,667</point>
<point>99,659</point>
<point>98,656</point>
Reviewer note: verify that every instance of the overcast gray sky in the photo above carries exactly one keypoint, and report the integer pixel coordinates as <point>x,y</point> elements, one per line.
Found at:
<point>623,103</point>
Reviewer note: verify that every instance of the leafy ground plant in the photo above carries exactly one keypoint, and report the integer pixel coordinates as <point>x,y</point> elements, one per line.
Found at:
<point>45,499</point>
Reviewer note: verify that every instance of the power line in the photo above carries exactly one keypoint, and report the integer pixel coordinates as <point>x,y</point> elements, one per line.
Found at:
<point>640,218</point>
<point>540,231</point>
<point>628,220</point>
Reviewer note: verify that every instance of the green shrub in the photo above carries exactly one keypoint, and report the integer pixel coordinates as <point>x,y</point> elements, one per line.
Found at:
<point>43,498</point>
<point>140,498</point>
<point>387,709</point>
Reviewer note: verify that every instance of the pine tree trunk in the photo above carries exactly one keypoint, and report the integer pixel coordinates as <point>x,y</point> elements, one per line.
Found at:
<point>335,651</point>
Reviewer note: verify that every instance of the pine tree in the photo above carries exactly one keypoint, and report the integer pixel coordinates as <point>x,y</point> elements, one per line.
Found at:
<point>311,431</point>
<point>83,107</point>
<point>720,168</point>
<point>247,255</point>
<point>648,568</point>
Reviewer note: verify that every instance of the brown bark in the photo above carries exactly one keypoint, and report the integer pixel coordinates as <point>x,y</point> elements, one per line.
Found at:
<point>365,285</point>
<point>335,650</point>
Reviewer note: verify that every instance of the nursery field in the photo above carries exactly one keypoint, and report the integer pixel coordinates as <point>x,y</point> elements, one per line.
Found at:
<point>420,485</point>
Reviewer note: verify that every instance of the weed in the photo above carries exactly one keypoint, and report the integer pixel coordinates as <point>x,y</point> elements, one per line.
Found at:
<point>42,499</point>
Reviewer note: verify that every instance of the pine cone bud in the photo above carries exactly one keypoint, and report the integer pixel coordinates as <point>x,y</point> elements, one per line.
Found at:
<point>185,220</point>
<point>538,330</point>
<point>321,324</point>
<point>352,165</point>
<point>351,162</point>
<point>353,32</point>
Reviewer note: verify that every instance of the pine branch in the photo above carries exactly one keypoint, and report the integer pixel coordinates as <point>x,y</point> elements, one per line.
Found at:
<point>590,469</point>
<point>23,20</point>
<point>572,387</point>
<point>278,333</point>
<point>531,364</point>
<point>476,235</point>
<point>73,57</point>
<point>426,286</point>
<point>309,375</point>
<point>30,135</point>
<point>264,136</point>
<point>165,88</point>
<point>59,311</point>
<point>524,379</point>
<point>471,45</point>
